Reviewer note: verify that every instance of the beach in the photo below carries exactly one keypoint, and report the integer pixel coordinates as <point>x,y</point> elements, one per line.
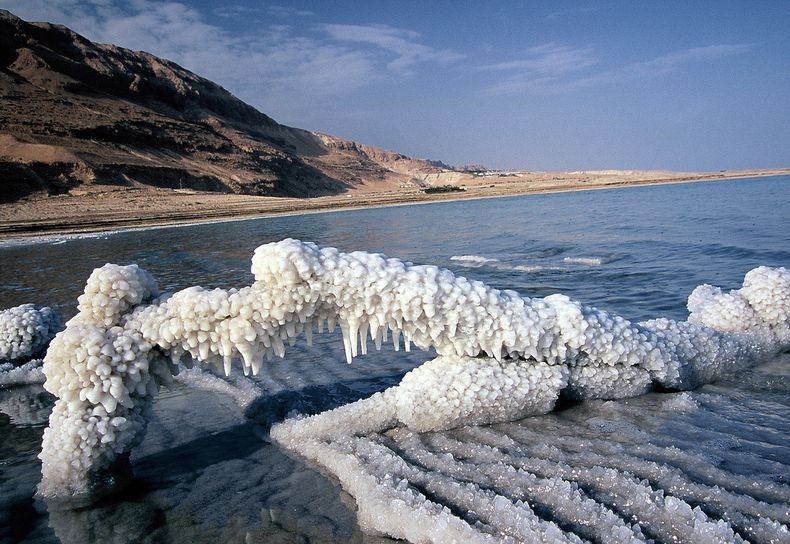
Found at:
<point>93,208</point>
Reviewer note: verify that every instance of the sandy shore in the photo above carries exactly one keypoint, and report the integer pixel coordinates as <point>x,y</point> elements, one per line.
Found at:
<point>101,208</point>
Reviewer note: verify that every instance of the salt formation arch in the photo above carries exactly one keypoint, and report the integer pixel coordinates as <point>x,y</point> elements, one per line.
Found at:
<point>500,356</point>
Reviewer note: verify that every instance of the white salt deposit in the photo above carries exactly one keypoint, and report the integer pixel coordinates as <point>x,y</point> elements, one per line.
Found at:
<point>29,373</point>
<point>501,357</point>
<point>473,260</point>
<point>448,392</point>
<point>588,261</point>
<point>241,389</point>
<point>531,268</point>
<point>104,376</point>
<point>25,331</point>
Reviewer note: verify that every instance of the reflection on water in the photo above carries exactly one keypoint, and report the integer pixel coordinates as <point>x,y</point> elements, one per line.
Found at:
<point>26,404</point>
<point>215,479</point>
<point>207,473</point>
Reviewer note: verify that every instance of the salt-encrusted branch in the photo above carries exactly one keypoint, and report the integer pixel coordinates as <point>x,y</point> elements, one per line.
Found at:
<point>501,356</point>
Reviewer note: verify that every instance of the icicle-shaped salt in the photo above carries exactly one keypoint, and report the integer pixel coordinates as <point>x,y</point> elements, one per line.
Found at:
<point>363,337</point>
<point>353,332</point>
<point>203,350</point>
<point>245,366</point>
<point>308,332</point>
<point>377,335</point>
<point>278,346</point>
<point>346,341</point>
<point>227,363</point>
<point>246,354</point>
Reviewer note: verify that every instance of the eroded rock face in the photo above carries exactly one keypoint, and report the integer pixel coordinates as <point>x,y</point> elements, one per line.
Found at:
<point>126,118</point>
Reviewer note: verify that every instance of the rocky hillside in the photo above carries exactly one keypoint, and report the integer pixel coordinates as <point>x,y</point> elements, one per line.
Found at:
<point>76,115</point>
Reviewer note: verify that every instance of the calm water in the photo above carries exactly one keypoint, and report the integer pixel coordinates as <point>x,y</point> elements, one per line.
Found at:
<point>205,472</point>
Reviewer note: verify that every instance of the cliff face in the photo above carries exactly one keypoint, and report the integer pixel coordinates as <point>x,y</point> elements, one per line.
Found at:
<point>74,114</point>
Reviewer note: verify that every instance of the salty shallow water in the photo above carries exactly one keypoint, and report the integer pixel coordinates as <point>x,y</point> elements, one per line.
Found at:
<point>207,473</point>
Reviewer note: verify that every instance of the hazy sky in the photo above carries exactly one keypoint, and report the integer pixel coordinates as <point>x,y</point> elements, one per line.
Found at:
<point>552,85</point>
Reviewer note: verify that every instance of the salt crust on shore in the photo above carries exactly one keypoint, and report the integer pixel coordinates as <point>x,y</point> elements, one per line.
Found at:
<point>501,357</point>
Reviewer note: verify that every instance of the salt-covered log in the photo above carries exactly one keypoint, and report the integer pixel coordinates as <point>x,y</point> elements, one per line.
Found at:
<point>501,356</point>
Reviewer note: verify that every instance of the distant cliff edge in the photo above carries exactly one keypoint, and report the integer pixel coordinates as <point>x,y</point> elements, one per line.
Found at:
<point>76,116</point>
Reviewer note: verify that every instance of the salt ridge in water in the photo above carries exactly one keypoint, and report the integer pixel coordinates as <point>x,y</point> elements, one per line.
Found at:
<point>589,261</point>
<point>500,357</point>
<point>473,260</point>
<point>477,261</point>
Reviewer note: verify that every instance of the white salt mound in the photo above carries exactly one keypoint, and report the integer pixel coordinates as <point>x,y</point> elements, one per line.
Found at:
<point>25,331</point>
<point>103,376</point>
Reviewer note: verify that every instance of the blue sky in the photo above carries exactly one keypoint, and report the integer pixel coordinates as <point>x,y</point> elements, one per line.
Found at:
<point>534,85</point>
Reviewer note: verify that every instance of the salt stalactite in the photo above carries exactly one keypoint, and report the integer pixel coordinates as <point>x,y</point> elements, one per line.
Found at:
<point>501,356</point>
<point>25,331</point>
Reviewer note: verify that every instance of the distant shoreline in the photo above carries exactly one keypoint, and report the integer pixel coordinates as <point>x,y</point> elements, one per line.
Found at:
<point>108,209</point>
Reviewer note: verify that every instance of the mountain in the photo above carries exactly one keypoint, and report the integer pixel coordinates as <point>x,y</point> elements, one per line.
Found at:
<point>76,115</point>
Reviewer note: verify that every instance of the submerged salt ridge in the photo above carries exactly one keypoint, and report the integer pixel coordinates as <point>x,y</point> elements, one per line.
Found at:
<point>501,356</point>
<point>554,479</point>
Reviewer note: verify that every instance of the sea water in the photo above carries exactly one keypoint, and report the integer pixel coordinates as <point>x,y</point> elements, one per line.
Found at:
<point>207,472</point>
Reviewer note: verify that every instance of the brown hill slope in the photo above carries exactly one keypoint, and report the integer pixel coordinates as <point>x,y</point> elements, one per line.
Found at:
<point>75,115</point>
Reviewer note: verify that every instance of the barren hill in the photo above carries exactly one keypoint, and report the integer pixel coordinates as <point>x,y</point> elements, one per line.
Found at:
<point>76,116</point>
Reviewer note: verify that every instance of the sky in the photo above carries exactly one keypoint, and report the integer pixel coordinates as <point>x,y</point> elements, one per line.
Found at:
<point>530,85</point>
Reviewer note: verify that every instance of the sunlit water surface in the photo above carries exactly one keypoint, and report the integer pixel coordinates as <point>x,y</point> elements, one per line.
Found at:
<point>207,472</point>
